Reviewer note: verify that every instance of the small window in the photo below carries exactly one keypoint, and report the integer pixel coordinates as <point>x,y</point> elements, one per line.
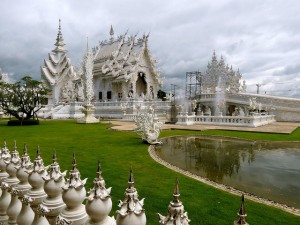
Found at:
<point>100,95</point>
<point>120,95</point>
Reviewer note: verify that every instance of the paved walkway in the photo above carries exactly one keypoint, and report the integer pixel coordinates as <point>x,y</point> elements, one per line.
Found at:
<point>277,127</point>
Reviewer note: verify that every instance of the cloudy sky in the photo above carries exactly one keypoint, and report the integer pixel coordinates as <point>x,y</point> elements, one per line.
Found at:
<point>261,38</point>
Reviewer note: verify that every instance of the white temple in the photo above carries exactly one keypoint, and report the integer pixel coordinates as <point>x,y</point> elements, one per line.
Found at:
<point>124,74</point>
<point>125,80</point>
<point>124,69</point>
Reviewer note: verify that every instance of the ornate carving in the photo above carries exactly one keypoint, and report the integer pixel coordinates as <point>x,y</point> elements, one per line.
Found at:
<point>216,70</point>
<point>74,180</point>
<point>148,126</point>
<point>87,77</point>
<point>62,221</point>
<point>176,213</point>
<point>26,200</point>
<point>99,190</point>
<point>42,210</point>
<point>131,205</point>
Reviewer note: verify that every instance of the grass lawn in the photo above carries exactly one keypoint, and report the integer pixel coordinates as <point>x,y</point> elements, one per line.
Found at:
<point>119,150</point>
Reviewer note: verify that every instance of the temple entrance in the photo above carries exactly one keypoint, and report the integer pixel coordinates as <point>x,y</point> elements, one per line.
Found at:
<point>141,85</point>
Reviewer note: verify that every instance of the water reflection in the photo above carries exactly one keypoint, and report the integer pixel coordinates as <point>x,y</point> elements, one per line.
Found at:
<point>270,170</point>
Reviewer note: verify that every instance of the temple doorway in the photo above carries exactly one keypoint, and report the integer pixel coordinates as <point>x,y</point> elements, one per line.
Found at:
<point>141,85</point>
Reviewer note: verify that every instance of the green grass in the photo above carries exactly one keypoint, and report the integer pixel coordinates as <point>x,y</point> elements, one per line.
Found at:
<point>120,150</point>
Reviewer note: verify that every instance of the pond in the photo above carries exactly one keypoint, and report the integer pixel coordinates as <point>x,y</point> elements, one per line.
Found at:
<point>266,169</point>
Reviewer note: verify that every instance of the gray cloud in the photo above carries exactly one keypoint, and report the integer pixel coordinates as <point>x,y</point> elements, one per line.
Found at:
<point>261,38</point>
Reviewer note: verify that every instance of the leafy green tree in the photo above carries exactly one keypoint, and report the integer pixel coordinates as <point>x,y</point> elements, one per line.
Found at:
<point>22,99</point>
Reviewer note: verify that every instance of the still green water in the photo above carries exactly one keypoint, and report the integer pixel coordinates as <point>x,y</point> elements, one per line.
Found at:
<point>265,169</point>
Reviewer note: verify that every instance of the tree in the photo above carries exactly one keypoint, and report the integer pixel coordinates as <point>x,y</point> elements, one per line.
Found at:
<point>22,99</point>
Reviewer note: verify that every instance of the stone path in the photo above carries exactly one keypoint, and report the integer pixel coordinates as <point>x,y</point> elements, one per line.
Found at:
<point>277,127</point>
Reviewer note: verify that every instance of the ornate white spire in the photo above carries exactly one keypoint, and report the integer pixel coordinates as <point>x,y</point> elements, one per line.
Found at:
<point>53,183</point>
<point>111,33</point>
<point>99,190</point>
<point>23,171</point>
<point>131,209</point>
<point>12,165</point>
<point>242,213</point>
<point>59,41</point>
<point>176,214</point>
<point>73,195</point>
<point>4,158</point>
<point>99,204</point>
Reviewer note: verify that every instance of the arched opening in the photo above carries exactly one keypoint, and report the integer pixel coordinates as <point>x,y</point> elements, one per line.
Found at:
<point>141,85</point>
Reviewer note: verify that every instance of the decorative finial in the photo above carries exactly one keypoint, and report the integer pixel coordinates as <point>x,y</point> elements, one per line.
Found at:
<point>131,180</point>
<point>74,162</point>
<point>176,212</point>
<point>4,145</point>
<point>59,25</point>
<point>176,193</point>
<point>59,40</point>
<point>54,156</point>
<point>111,32</point>
<point>99,172</point>
<point>15,145</point>
<point>25,150</point>
<point>242,208</point>
<point>38,152</point>
<point>242,213</point>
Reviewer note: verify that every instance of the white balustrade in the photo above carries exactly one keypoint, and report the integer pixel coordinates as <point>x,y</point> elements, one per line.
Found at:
<point>244,121</point>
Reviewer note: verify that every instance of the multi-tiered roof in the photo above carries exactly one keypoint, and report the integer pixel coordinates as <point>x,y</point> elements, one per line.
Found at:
<point>57,69</point>
<point>220,75</point>
<point>122,57</point>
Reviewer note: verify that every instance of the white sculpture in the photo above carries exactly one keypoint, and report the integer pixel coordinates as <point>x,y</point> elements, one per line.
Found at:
<point>99,204</point>
<point>88,89</point>
<point>4,157</point>
<point>15,205</point>
<point>22,188</point>
<point>54,181</point>
<point>11,167</point>
<point>176,214</point>
<point>73,195</point>
<point>35,179</point>
<point>148,126</point>
<point>131,208</point>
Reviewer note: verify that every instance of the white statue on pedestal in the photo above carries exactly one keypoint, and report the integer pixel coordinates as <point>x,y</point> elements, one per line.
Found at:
<point>148,126</point>
<point>88,89</point>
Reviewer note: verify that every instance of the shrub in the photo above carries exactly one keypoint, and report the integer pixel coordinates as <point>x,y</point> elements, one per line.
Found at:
<point>24,123</point>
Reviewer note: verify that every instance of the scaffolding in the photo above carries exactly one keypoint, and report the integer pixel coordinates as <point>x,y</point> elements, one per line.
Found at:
<point>193,84</point>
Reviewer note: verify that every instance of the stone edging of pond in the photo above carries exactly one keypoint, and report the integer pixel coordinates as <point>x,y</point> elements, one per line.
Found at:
<point>223,187</point>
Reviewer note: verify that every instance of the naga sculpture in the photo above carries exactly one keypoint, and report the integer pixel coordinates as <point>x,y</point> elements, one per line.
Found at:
<point>148,126</point>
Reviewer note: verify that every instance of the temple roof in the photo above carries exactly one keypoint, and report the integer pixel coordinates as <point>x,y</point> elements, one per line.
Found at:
<point>120,58</point>
<point>58,64</point>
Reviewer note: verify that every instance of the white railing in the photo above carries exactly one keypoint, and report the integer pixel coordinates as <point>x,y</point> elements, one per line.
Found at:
<point>244,121</point>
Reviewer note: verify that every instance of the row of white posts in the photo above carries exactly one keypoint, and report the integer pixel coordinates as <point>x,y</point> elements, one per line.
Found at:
<point>32,194</point>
